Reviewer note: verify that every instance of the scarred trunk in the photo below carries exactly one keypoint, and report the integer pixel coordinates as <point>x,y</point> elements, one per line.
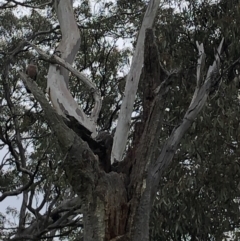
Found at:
<point>105,216</point>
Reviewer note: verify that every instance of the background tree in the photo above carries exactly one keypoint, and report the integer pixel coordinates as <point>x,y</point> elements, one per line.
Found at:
<point>196,198</point>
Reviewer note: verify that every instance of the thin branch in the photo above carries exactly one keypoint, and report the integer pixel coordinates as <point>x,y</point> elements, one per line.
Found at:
<point>16,3</point>
<point>36,229</point>
<point>54,59</point>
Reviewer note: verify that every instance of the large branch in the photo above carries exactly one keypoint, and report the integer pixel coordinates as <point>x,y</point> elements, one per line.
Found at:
<point>89,123</point>
<point>155,88</point>
<point>124,120</point>
<point>79,159</point>
<point>170,147</point>
<point>157,167</point>
<point>58,77</point>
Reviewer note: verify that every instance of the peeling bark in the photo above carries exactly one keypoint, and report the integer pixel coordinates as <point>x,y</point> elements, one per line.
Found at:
<point>54,59</point>
<point>58,76</point>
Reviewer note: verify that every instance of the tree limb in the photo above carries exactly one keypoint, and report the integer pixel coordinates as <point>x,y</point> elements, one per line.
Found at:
<point>124,120</point>
<point>54,59</point>
<point>36,228</point>
<point>58,77</point>
<point>169,148</point>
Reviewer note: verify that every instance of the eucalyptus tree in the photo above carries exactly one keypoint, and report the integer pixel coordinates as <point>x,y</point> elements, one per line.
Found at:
<point>95,185</point>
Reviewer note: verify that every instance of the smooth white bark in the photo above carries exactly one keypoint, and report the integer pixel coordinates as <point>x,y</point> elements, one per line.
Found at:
<point>58,76</point>
<point>124,120</point>
<point>89,123</point>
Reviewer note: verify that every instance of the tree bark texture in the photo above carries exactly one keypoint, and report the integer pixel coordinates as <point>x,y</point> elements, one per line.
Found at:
<point>124,120</point>
<point>58,76</point>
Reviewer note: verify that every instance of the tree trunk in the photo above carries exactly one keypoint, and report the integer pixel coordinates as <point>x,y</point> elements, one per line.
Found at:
<point>105,216</point>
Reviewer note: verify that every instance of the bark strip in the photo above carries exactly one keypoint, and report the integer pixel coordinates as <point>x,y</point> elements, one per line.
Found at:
<point>124,120</point>
<point>58,76</point>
